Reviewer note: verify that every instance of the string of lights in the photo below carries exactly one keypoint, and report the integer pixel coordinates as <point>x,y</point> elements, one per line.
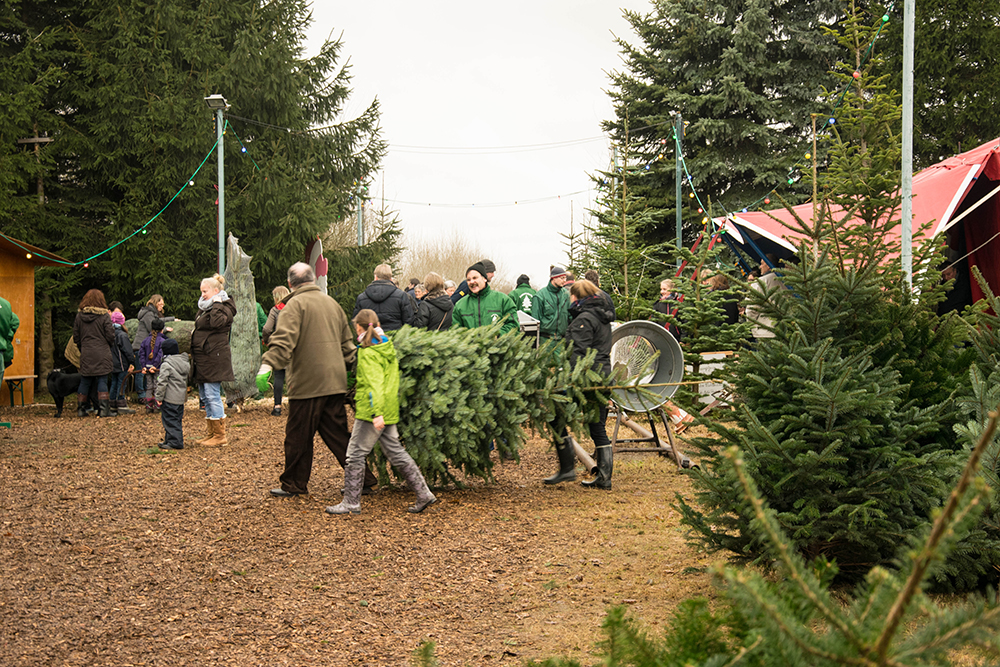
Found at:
<point>141,230</point>
<point>518,202</point>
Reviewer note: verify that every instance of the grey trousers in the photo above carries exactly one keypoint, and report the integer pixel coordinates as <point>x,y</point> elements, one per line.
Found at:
<point>363,439</point>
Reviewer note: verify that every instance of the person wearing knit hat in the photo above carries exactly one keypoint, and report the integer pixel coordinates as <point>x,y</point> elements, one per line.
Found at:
<point>122,359</point>
<point>488,269</point>
<point>551,306</point>
<point>483,306</point>
<point>171,393</point>
<point>523,294</point>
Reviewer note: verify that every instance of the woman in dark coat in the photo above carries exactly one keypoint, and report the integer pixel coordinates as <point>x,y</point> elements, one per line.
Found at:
<point>591,314</point>
<point>94,335</point>
<point>152,310</point>
<point>434,311</point>
<point>211,356</point>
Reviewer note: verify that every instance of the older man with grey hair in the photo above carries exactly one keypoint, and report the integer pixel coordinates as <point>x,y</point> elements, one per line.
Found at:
<point>314,342</point>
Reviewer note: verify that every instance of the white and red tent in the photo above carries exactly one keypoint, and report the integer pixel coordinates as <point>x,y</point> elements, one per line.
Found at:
<point>943,194</point>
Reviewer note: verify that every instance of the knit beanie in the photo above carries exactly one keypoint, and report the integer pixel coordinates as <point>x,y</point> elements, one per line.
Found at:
<point>157,324</point>
<point>556,272</point>
<point>170,346</point>
<point>478,268</point>
<point>117,318</point>
<point>489,266</point>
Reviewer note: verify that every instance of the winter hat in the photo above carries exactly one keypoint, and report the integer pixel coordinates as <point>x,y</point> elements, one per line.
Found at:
<point>170,346</point>
<point>157,324</point>
<point>488,265</point>
<point>117,318</point>
<point>523,279</point>
<point>556,272</point>
<point>478,268</point>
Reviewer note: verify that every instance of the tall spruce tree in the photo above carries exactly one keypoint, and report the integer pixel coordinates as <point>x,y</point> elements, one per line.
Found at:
<point>628,266</point>
<point>129,125</point>
<point>955,69</point>
<point>744,76</point>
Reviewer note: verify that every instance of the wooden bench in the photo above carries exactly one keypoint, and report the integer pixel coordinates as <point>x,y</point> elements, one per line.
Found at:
<point>16,383</point>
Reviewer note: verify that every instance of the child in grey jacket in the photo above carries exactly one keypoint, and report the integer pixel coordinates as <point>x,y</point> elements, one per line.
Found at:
<point>171,393</point>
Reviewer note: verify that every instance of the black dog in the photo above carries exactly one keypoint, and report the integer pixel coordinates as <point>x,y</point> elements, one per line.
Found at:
<point>62,384</point>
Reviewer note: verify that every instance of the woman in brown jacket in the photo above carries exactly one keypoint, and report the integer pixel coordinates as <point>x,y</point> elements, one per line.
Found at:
<point>94,335</point>
<point>210,355</point>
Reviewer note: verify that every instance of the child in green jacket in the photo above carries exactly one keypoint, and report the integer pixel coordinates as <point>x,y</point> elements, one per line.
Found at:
<point>376,415</point>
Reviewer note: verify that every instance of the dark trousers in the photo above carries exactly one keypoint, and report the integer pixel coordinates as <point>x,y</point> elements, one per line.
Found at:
<point>306,416</point>
<point>87,380</point>
<point>278,383</point>
<point>172,416</point>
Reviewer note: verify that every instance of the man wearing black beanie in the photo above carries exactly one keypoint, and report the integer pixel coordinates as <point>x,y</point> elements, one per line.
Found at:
<point>483,306</point>
<point>463,289</point>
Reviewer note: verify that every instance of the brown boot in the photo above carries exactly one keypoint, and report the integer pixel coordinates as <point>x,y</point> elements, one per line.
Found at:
<point>218,439</point>
<point>209,432</point>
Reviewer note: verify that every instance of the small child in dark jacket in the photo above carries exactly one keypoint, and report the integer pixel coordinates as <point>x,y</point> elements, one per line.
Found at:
<point>150,357</point>
<point>121,362</point>
<point>171,393</point>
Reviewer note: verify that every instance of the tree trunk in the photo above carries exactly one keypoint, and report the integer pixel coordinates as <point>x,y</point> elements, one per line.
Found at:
<point>46,346</point>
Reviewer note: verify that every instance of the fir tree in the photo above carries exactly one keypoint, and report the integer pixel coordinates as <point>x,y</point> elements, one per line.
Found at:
<point>124,105</point>
<point>743,75</point>
<point>956,62</point>
<point>847,416</point>
<point>701,318</point>
<point>628,265</point>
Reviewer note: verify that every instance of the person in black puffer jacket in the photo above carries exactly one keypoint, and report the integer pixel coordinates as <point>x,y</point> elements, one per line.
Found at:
<point>391,304</point>
<point>591,314</point>
<point>434,311</point>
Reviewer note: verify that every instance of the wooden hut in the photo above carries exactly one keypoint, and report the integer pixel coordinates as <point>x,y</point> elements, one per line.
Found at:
<point>17,284</point>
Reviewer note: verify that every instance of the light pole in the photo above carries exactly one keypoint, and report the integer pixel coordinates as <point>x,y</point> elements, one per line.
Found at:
<point>218,104</point>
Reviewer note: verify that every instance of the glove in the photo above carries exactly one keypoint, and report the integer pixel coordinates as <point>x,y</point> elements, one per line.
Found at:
<point>264,378</point>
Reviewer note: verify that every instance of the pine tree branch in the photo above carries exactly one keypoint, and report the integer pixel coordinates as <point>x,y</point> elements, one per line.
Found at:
<point>794,572</point>
<point>938,532</point>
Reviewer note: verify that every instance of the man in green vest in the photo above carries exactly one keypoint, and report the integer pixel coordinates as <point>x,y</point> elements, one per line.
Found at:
<point>483,306</point>
<point>551,306</point>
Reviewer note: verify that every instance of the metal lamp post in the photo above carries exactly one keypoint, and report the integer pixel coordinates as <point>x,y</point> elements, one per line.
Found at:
<point>218,104</point>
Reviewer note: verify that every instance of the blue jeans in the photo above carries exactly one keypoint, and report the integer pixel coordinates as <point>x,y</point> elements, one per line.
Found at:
<point>87,380</point>
<point>140,383</point>
<point>213,401</point>
<point>117,380</point>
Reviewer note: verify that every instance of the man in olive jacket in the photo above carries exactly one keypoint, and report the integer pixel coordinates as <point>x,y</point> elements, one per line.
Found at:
<point>314,342</point>
<point>483,306</point>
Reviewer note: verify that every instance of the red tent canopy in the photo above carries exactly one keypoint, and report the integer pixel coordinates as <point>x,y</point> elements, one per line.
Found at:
<point>941,193</point>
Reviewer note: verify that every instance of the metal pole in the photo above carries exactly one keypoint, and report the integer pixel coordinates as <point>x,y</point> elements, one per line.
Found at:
<point>678,176</point>
<point>907,166</point>
<point>361,216</point>
<point>222,193</point>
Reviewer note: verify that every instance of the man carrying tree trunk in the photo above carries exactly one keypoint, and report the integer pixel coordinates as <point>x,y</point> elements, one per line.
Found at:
<point>313,341</point>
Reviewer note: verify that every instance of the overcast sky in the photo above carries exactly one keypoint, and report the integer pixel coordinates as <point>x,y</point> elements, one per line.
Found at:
<point>456,79</point>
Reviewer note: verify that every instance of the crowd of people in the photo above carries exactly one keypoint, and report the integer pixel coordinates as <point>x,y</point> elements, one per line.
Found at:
<point>309,345</point>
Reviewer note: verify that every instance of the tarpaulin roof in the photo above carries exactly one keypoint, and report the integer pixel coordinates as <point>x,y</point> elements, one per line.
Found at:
<point>938,192</point>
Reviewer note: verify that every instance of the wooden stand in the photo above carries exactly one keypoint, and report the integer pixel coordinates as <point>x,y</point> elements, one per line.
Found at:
<point>649,436</point>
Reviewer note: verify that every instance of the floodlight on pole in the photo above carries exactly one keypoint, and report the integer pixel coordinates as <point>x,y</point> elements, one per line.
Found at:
<point>218,104</point>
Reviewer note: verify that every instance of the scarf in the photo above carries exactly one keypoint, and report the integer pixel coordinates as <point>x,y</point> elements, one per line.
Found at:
<point>206,304</point>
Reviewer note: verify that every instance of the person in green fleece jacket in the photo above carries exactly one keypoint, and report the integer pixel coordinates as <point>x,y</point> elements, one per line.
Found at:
<point>376,414</point>
<point>483,306</point>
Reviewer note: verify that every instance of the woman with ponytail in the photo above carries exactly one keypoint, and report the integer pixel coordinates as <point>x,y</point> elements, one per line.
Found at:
<point>211,357</point>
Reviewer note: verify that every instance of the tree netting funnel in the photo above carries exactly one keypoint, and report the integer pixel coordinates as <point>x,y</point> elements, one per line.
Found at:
<point>644,353</point>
